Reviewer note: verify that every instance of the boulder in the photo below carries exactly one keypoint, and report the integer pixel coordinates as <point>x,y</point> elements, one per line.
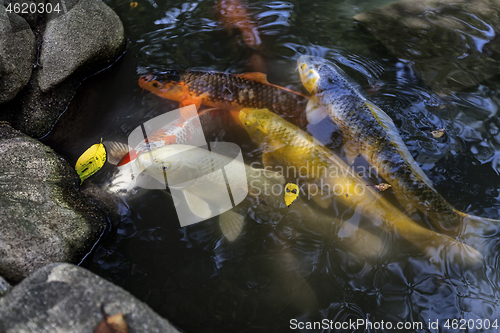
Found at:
<point>44,217</point>
<point>83,38</point>
<point>66,298</point>
<point>453,44</point>
<point>17,54</point>
<point>32,17</point>
<point>87,34</point>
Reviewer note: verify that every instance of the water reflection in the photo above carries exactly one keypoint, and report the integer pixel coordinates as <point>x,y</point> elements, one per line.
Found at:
<point>287,266</point>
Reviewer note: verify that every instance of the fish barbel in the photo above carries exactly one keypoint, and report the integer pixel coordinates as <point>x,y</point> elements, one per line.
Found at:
<point>286,145</point>
<point>223,90</point>
<point>369,131</point>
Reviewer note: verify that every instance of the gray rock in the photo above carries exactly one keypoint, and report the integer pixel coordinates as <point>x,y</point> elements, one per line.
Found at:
<point>85,37</point>
<point>452,43</point>
<point>5,287</point>
<point>88,32</point>
<point>44,218</point>
<point>66,298</point>
<point>17,54</point>
<point>32,17</point>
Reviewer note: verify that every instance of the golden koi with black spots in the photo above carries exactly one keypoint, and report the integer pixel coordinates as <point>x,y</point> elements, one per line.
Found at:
<point>369,131</point>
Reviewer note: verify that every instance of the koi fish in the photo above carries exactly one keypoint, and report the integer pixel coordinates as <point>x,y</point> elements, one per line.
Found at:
<point>126,178</point>
<point>233,14</point>
<point>190,169</point>
<point>223,90</point>
<point>287,146</point>
<point>369,131</point>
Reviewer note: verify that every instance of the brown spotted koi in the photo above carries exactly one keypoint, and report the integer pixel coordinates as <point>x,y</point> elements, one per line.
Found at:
<point>226,91</point>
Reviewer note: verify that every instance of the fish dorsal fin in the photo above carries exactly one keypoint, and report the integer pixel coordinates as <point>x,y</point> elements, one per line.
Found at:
<point>315,112</point>
<point>386,122</point>
<point>255,76</point>
<point>198,206</point>
<point>116,151</point>
<point>231,224</point>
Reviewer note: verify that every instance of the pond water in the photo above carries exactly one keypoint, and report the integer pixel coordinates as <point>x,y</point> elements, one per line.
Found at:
<point>282,269</point>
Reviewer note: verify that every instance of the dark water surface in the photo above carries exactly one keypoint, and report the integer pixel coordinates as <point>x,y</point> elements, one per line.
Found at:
<point>279,270</point>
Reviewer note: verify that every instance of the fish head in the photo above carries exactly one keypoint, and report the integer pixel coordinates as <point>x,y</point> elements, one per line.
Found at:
<point>167,85</point>
<point>254,120</point>
<point>175,163</point>
<point>309,70</point>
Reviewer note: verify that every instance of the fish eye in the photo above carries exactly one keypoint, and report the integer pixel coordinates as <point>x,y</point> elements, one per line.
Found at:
<point>156,84</point>
<point>166,166</point>
<point>303,66</point>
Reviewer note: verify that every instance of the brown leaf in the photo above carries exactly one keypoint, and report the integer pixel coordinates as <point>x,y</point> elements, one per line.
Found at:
<point>112,324</point>
<point>382,187</point>
<point>439,133</point>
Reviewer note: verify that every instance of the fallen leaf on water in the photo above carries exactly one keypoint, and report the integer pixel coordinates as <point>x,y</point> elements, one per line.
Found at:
<point>133,4</point>
<point>91,161</point>
<point>382,187</point>
<point>291,193</point>
<point>439,133</point>
<point>111,324</point>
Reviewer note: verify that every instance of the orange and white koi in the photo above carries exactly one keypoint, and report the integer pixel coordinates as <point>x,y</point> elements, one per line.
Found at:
<point>180,131</point>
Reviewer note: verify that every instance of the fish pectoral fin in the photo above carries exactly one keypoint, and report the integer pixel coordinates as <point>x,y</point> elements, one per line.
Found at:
<point>197,205</point>
<point>315,112</point>
<point>189,101</point>
<point>116,151</point>
<point>267,160</point>
<point>322,199</point>
<point>231,224</point>
<point>255,76</point>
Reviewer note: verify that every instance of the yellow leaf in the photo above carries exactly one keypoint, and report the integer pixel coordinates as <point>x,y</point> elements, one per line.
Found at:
<point>91,161</point>
<point>291,193</point>
<point>133,4</point>
<point>439,133</point>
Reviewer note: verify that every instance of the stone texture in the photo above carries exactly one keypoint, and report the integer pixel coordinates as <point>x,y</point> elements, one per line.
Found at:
<point>44,217</point>
<point>453,44</point>
<point>89,32</point>
<point>5,287</point>
<point>66,298</point>
<point>85,37</point>
<point>17,54</point>
<point>32,17</point>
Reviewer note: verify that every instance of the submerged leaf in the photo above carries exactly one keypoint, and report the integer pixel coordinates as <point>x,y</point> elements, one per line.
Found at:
<point>291,193</point>
<point>112,324</point>
<point>133,4</point>
<point>382,187</point>
<point>439,133</point>
<point>91,161</point>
